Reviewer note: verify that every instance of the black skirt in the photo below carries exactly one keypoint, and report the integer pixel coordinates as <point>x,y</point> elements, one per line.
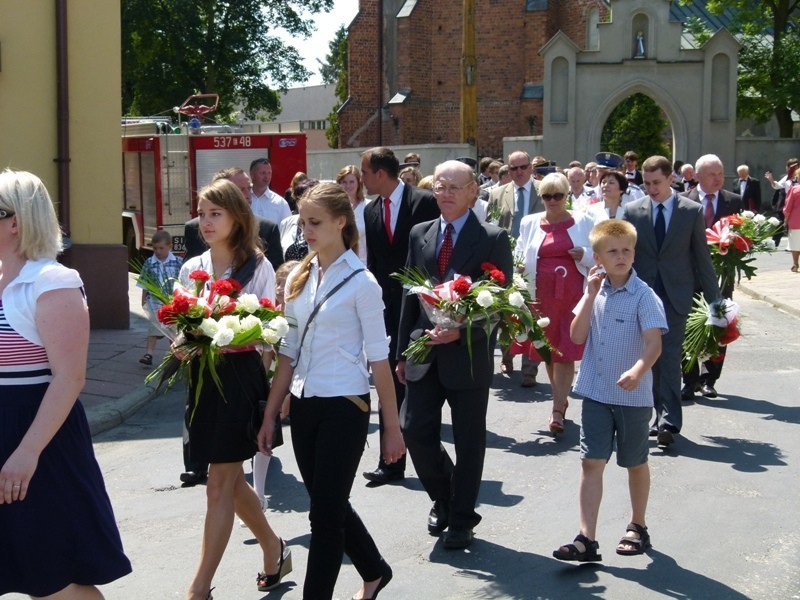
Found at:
<point>223,424</point>
<point>64,531</point>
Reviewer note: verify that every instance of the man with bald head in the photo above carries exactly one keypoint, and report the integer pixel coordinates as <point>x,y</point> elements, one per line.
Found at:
<point>455,243</point>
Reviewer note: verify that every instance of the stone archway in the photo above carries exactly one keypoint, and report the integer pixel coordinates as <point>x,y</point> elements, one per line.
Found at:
<point>696,88</point>
<point>661,96</point>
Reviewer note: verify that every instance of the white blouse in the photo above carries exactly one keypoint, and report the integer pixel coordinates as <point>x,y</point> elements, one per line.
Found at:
<point>346,332</point>
<point>262,284</point>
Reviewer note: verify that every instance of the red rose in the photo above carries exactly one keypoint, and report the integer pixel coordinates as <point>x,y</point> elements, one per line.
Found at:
<point>731,333</point>
<point>199,275</point>
<point>461,286</point>
<point>498,276</point>
<point>181,305</point>
<point>487,266</point>
<point>266,303</point>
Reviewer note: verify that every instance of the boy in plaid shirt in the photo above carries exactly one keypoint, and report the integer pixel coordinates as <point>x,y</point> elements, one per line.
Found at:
<point>162,267</point>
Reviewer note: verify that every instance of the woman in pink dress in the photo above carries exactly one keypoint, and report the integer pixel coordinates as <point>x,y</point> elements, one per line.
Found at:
<point>791,212</point>
<point>554,246</point>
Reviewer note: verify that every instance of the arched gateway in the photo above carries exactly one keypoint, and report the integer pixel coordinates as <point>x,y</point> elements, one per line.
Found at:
<point>639,51</point>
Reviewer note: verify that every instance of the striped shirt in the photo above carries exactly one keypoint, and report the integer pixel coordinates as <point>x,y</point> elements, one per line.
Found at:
<point>21,361</point>
<point>619,318</point>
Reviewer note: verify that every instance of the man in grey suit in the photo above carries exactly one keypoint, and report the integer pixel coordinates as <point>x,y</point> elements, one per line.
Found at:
<point>671,251</point>
<point>508,204</point>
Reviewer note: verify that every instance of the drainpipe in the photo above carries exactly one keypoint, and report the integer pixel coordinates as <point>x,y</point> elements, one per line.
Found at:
<point>62,115</point>
<point>380,73</point>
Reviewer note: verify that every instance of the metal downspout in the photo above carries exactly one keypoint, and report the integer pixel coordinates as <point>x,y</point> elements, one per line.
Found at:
<point>62,115</point>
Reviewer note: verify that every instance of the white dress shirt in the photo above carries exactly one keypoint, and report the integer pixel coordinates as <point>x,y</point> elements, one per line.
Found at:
<point>270,205</point>
<point>395,199</point>
<point>346,332</point>
<point>262,284</point>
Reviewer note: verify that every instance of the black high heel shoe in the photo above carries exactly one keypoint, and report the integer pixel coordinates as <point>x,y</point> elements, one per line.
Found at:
<point>385,579</point>
<point>210,597</point>
<point>270,582</point>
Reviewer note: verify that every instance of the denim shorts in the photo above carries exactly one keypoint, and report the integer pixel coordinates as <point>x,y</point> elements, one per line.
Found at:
<point>604,426</point>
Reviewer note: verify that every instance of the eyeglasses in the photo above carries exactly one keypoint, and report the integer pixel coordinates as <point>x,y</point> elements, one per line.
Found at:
<point>556,197</point>
<point>5,214</point>
<point>518,167</point>
<point>449,189</point>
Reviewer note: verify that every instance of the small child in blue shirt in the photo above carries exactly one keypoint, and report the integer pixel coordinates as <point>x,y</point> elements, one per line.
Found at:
<point>621,320</point>
<point>163,267</point>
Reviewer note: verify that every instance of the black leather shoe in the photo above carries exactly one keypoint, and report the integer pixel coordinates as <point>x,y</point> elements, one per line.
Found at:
<point>192,478</point>
<point>381,476</point>
<point>665,438</point>
<point>708,391</point>
<point>456,539</point>
<point>653,431</point>
<point>438,517</point>
<point>688,391</point>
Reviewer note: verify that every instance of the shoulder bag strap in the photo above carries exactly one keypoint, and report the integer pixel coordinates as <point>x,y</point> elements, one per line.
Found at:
<point>316,310</point>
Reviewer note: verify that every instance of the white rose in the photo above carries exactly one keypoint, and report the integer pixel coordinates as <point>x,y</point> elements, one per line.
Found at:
<point>249,322</point>
<point>538,344</point>
<point>485,299</point>
<point>516,299</point>
<point>270,336</point>
<point>209,327</point>
<point>280,325</point>
<point>249,302</point>
<point>759,218</point>
<point>748,214</point>
<point>521,337</point>
<point>223,337</point>
<point>773,221</point>
<point>231,322</point>
<point>769,244</point>
<point>543,322</point>
<point>519,281</point>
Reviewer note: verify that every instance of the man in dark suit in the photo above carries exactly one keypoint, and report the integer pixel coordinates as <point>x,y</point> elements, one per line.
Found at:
<point>749,188</point>
<point>268,231</point>
<point>387,222</point>
<point>687,182</point>
<point>716,203</point>
<point>455,243</point>
<point>671,253</point>
<point>632,172</point>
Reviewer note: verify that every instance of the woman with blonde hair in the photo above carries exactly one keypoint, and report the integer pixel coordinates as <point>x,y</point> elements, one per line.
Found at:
<point>555,248</point>
<point>58,534</point>
<point>324,366</point>
<point>349,178</point>
<point>221,428</point>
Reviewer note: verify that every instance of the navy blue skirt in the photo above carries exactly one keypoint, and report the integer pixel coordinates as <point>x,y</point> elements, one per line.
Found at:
<point>64,531</point>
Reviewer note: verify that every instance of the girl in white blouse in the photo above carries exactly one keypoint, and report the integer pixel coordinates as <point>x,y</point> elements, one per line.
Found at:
<point>324,364</point>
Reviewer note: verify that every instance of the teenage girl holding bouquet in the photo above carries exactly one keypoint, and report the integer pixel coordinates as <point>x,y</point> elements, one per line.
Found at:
<point>221,429</point>
<point>338,310</point>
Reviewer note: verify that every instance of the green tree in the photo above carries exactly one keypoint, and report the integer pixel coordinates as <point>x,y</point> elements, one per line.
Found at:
<point>769,31</point>
<point>637,124</point>
<point>334,70</point>
<point>174,48</point>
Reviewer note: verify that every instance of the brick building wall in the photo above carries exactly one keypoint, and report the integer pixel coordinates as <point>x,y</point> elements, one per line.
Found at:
<point>425,59</point>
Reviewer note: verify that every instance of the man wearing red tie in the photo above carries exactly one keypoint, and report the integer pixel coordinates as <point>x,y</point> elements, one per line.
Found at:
<point>387,222</point>
<point>717,203</point>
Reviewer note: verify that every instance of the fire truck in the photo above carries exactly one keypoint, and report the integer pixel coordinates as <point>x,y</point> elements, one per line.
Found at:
<point>164,165</point>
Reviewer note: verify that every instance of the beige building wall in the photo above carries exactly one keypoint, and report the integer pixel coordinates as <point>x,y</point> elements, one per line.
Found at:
<point>28,132</point>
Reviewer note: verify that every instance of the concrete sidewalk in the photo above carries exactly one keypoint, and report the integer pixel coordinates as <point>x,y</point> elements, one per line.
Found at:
<point>115,387</point>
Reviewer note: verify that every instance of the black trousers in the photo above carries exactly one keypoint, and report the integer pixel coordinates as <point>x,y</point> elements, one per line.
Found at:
<point>456,484</point>
<point>400,394</point>
<point>328,437</point>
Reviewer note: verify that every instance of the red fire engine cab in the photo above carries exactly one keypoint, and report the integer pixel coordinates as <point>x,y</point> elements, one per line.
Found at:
<point>164,165</point>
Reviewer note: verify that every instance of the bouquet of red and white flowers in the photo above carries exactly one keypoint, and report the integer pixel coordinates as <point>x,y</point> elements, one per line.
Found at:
<point>734,239</point>
<point>708,328</point>
<point>461,302</point>
<point>205,324</point>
